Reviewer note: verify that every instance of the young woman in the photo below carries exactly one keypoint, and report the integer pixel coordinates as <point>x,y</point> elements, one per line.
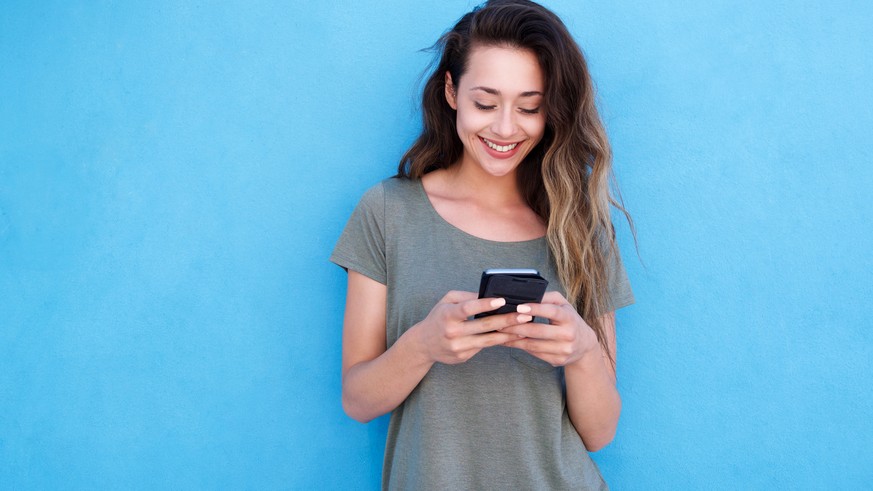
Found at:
<point>511,171</point>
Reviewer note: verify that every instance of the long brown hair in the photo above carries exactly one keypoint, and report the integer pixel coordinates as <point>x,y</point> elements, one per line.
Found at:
<point>566,178</point>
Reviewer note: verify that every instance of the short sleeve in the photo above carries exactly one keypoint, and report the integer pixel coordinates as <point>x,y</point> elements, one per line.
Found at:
<point>361,246</point>
<point>620,293</point>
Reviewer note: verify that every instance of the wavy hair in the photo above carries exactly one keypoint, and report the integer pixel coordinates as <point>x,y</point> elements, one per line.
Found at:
<point>566,178</point>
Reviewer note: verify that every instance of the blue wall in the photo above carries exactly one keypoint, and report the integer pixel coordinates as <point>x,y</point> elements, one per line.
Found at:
<point>173,178</point>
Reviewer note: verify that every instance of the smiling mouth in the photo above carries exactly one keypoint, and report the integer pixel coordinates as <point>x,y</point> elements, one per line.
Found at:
<point>499,148</point>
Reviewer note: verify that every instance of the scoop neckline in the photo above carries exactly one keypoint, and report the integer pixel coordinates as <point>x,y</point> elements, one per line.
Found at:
<point>429,205</point>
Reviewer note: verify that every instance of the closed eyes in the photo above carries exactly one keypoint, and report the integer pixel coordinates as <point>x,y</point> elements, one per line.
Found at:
<point>483,107</point>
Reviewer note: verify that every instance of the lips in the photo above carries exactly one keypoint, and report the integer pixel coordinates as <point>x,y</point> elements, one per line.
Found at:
<point>498,149</point>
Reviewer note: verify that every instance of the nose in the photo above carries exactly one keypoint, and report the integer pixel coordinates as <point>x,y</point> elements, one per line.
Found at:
<point>504,125</point>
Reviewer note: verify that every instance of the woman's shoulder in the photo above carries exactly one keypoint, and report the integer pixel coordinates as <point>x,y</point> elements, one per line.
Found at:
<point>392,192</point>
<point>398,186</point>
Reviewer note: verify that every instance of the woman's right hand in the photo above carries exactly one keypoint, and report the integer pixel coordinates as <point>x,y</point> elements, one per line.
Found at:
<point>377,378</point>
<point>448,335</point>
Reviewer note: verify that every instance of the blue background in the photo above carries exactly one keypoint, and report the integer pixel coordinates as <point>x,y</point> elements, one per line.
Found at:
<point>173,177</point>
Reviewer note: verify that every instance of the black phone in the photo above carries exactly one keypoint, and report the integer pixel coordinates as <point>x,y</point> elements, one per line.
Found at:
<point>517,286</point>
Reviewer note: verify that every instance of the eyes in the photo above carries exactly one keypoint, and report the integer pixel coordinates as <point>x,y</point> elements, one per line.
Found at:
<point>523,110</point>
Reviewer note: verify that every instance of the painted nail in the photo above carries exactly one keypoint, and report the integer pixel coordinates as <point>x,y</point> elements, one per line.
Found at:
<point>524,318</point>
<point>498,302</point>
<point>523,309</point>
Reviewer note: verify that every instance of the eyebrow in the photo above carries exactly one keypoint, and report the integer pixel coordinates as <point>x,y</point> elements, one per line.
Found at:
<point>491,91</point>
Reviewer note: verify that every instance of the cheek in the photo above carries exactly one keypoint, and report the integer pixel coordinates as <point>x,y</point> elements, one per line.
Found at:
<point>535,128</point>
<point>471,121</point>
<point>463,129</point>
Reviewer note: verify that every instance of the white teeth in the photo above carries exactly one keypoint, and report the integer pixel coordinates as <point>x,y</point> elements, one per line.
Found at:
<point>500,148</point>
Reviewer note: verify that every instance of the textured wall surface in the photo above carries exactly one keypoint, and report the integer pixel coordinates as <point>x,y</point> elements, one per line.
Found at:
<point>174,175</point>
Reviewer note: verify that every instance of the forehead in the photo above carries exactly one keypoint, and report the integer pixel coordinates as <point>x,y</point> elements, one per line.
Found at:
<point>511,71</point>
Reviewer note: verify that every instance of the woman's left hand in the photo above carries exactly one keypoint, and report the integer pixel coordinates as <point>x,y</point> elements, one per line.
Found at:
<point>567,339</point>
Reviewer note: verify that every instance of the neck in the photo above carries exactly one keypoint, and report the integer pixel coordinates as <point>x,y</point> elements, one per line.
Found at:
<point>471,182</point>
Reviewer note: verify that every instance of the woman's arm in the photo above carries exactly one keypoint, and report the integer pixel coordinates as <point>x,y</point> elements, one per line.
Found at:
<point>376,380</point>
<point>593,403</point>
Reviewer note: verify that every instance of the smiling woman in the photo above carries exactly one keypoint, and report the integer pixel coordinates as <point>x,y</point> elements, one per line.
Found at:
<point>498,108</point>
<point>510,171</point>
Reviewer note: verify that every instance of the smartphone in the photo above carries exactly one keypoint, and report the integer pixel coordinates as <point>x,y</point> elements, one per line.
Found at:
<point>517,286</point>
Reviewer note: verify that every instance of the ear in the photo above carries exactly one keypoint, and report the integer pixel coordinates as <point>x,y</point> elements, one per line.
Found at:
<point>451,93</point>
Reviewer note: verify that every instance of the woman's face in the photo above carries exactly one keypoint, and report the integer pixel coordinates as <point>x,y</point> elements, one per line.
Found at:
<point>498,101</point>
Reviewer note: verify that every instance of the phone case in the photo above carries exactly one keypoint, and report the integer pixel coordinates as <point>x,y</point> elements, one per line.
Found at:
<point>516,286</point>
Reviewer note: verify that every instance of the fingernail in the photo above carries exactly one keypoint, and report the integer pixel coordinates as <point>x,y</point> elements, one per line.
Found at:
<point>498,302</point>
<point>523,309</point>
<point>524,318</point>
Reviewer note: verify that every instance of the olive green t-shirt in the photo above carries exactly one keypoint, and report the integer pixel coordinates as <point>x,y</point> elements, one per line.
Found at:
<point>499,420</point>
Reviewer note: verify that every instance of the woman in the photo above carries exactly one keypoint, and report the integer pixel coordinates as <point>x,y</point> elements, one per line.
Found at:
<point>511,170</point>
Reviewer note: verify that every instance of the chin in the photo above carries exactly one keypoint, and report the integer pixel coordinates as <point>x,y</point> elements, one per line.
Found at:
<point>499,170</point>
